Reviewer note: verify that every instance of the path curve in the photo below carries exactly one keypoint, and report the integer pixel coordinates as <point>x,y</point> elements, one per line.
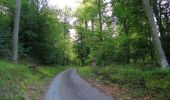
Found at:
<point>68,85</point>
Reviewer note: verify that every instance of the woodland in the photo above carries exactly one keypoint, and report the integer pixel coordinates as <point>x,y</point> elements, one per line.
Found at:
<point>124,42</point>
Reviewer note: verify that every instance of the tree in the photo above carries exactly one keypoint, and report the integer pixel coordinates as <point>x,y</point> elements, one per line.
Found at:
<point>99,4</point>
<point>16,30</point>
<point>161,11</point>
<point>155,32</point>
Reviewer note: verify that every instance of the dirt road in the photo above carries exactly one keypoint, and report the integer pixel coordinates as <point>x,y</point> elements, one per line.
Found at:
<point>70,86</point>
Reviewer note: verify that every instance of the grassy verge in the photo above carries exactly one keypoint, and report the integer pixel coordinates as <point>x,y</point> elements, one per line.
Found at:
<point>19,82</point>
<point>86,72</point>
<point>152,83</point>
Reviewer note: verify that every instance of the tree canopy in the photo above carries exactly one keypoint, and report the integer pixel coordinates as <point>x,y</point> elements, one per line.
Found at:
<point>107,31</point>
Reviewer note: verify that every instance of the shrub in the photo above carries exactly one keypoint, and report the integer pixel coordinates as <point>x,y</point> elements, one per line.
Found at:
<point>85,71</point>
<point>154,82</point>
<point>158,82</point>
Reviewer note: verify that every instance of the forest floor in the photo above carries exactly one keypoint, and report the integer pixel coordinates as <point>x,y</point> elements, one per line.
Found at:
<point>20,82</point>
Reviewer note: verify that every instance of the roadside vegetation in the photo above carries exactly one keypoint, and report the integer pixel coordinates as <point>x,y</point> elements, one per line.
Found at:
<point>133,82</point>
<point>20,82</point>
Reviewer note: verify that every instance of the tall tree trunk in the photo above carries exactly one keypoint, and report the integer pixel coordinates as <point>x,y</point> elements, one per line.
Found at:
<point>127,48</point>
<point>82,54</point>
<point>158,13</point>
<point>16,30</point>
<point>113,16</point>
<point>92,24</point>
<point>65,33</point>
<point>159,19</point>
<point>86,25</point>
<point>113,13</point>
<point>100,14</point>
<point>155,31</point>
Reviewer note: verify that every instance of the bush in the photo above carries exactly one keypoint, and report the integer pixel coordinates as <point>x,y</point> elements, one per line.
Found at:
<point>133,78</point>
<point>158,82</point>
<point>85,71</point>
<point>103,72</point>
<point>154,82</point>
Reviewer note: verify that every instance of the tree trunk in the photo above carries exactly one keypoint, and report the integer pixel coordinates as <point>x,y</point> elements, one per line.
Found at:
<point>155,31</point>
<point>127,47</point>
<point>113,13</point>
<point>159,18</point>
<point>86,25</point>
<point>100,15</point>
<point>92,24</point>
<point>82,61</point>
<point>16,30</point>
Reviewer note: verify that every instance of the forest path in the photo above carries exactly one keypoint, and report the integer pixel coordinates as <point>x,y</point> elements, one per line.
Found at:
<point>68,85</point>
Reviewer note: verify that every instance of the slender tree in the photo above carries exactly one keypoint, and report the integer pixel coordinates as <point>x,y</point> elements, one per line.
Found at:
<point>127,48</point>
<point>155,32</point>
<point>92,24</point>
<point>16,30</point>
<point>100,14</point>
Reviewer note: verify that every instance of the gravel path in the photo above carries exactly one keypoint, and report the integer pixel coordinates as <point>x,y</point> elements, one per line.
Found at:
<point>70,86</point>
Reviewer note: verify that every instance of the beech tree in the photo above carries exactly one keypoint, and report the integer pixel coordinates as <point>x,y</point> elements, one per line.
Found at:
<point>16,30</point>
<point>155,32</point>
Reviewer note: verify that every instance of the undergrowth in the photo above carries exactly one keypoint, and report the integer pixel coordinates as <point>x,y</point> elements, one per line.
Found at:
<point>19,82</point>
<point>140,82</point>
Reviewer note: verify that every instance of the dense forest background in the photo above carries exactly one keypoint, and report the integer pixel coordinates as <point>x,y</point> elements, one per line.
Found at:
<point>43,37</point>
<point>119,31</point>
<point>108,32</point>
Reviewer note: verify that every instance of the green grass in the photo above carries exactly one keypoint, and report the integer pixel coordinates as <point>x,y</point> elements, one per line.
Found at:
<point>85,71</point>
<point>19,82</point>
<point>140,82</point>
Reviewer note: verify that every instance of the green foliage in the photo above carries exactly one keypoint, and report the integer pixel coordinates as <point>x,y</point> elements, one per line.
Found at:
<point>4,35</point>
<point>158,82</point>
<point>87,11</point>
<point>17,81</point>
<point>85,71</point>
<point>129,42</point>
<point>150,82</point>
<point>41,35</point>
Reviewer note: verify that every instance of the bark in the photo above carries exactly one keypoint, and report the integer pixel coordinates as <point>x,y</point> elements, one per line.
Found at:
<point>65,33</point>
<point>82,61</point>
<point>86,25</point>
<point>113,14</point>
<point>127,48</point>
<point>16,30</point>
<point>155,31</point>
<point>158,13</point>
<point>100,15</point>
<point>151,48</point>
<point>160,18</point>
<point>92,25</point>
